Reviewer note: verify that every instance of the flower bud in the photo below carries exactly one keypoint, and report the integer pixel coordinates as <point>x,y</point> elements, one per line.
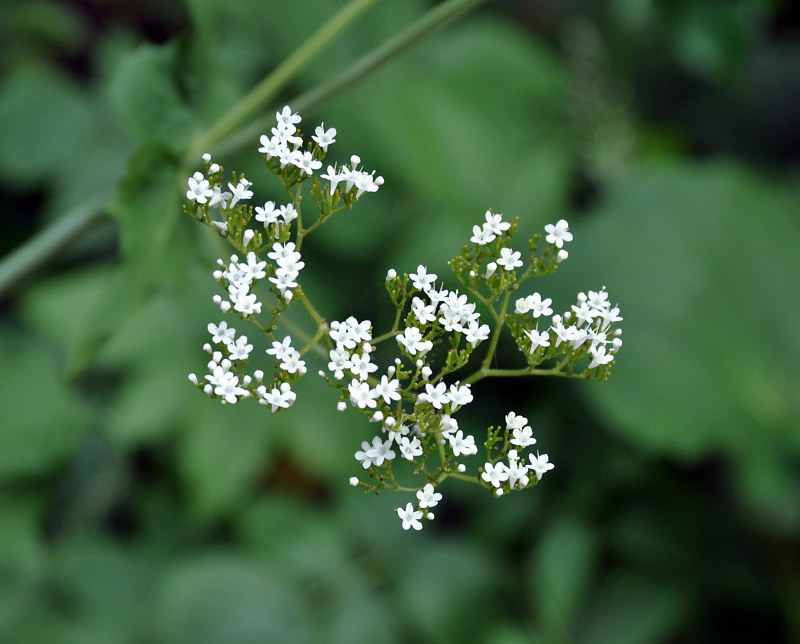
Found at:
<point>391,274</point>
<point>247,237</point>
<point>491,267</point>
<point>354,481</point>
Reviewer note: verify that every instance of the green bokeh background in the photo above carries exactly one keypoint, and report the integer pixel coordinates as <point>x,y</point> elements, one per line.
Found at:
<point>132,509</point>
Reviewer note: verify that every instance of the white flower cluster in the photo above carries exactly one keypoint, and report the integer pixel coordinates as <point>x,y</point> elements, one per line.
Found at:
<point>588,324</point>
<point>411,401</point>
<point>506,476</point>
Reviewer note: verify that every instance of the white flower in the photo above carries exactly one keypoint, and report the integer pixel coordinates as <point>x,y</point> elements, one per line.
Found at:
<point>283,397</point>
<point>361,395</point>
<point>422,280</point>
<point>412,340</point>
<point>495,223</point>
<point>281,349</point>
<point>267,214</point>
<point>481,235</point>
<point>513,421</point>
<point>221,334</point>
<point>476,333</point>
<point>460,395</point>
<point>240,350</point>
<point>423,312</point>
<point>538,339</point>
<point>516,473</point>
<point>306,162</point>
<point>558,234</point>
<point>495,474</point>
<point>599,356</point>
<point>435,395</point>
<point>388,389</point>
<point>409,449</point>
<point>540,465</point>
<point>199,189</point>
<point>509,259</point>
<point>461,444</point>
<point>523,436</point>
<point>410,517</point>
<point>241,191</point>
<point>286,118</point>
<point>376,453</point>
<point>323,138</point>
<point>361,366</point>
<point>428,498</point>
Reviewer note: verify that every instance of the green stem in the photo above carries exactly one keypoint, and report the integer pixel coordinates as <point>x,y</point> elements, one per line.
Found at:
<point>51,242</point>
<point>496,335</point>
<point>438,17</point>
<point>268,88</point>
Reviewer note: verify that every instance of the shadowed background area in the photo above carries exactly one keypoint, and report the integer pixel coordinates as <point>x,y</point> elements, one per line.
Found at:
<point>134,509</point>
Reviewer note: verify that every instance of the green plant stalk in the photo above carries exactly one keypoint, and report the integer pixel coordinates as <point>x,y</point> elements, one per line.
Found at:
<point>50,242</point>
<point>364,67</point>
<point>269,87</point>
<point>37,252</point>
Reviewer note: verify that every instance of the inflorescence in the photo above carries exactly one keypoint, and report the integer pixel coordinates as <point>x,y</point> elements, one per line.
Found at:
<point>436,330</point>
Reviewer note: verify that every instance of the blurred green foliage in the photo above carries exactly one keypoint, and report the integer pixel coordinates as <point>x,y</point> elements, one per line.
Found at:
<point>134,510</point>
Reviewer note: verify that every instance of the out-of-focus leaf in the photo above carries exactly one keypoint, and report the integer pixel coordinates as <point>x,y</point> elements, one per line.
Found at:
<point>703,263</point>
<point>226,598</point>
<point>109,586</point>
<point>628,609</point>
<point>442,583</point>
<point>220,453</point>
<point>147,206</point>
<point>42,419</point>
<point>560,575</point>
<point>43,118</point>
<point>147,92</point>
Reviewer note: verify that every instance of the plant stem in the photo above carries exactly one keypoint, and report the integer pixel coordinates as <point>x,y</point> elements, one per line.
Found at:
<point>438,17</point>
<point>260,96</point>
<point>50,242</point>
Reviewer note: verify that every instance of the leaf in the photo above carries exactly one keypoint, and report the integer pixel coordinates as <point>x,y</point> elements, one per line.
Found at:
<point>703,263</point>
<point>560,574</point>
<point>43,420</point>
<point>147,90</point>
<point>221,597</point>
<point>628,609</point>
<point>43,118</point>
<point>147,206</point>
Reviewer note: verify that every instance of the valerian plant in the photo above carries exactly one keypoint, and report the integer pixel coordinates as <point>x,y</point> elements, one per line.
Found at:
<point>415,399</point>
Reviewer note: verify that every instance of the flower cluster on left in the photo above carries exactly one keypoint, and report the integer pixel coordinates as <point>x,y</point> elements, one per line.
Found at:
<point>260,280</point>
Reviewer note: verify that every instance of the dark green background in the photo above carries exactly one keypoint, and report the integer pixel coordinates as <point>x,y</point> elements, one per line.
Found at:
<point>132,509</point>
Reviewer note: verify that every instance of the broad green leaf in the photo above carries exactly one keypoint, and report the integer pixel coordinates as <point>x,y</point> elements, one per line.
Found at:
<point>148,90</point>
<point>227,598</point>
<point>43,420</point>
<point>441,584</point>
<point>629,609</point>
<point>560,575</point>
<point>702,261</point>
<point>220,453</point>
<point>147,205</point>
<point>43,118</point>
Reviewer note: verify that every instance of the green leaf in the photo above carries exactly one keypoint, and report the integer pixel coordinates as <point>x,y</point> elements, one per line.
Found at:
<point>148,93</point>
<point>703,261</point>
<point>43,118</point>
<point>43,420</point>
<point>147,205</point>
<point>628,609</point>
<point>225,598</point>
<point>560,574</point>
